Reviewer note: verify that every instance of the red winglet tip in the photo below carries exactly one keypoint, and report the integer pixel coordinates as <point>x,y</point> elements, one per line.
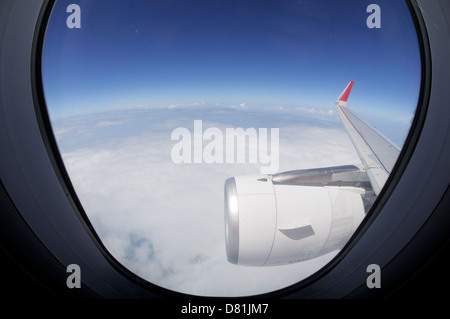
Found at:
<point>347,92</point>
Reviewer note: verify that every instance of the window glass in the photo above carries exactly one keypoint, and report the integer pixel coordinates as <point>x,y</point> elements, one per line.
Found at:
<point>142,96</point>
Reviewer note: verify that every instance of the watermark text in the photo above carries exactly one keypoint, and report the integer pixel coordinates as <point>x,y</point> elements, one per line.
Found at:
<point>231,146</point>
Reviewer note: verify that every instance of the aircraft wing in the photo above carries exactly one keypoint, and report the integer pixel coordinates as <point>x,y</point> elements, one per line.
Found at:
<point>302,214</point>
<point>376,152</point>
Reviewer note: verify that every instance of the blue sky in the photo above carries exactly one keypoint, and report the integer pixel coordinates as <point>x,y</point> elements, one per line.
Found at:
<point>289,53</point>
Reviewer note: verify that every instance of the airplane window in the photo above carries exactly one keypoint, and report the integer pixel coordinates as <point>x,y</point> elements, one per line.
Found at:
<point>178,119</point>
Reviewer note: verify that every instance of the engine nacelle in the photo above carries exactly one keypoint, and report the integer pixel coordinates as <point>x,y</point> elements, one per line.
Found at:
<point>268,224</point>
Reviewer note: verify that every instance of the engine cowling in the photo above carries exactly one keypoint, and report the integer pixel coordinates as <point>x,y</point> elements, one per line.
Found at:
<point>267,224</point>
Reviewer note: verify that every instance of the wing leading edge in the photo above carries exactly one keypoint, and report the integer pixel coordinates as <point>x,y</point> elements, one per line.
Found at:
<point>376,152</point>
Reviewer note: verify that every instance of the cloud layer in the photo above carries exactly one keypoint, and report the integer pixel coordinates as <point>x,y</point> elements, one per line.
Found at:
<point>164,221</point>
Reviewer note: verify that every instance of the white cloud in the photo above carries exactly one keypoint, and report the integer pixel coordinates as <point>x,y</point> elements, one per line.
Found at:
<point>108,123</point>
<point>172,106</point>
<point>306,110</point>
<point>314,111</point>
<point>164,221</point>
<point>241,106</point>
<point>62,131</point>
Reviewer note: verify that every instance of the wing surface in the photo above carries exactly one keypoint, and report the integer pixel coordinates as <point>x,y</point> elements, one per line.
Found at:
<point>376,152</point>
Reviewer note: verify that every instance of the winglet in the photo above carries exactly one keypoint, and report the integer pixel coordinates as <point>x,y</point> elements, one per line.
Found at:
<point>344,95</point>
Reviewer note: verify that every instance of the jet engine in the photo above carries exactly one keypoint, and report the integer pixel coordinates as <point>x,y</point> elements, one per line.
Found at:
<point>270,223</point>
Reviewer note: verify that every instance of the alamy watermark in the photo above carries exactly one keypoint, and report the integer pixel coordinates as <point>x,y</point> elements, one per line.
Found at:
<point>374,279</point>
<point>373,21</point>
<point>73,21</point>
<point>231,146</point>
<point>74,279</point>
